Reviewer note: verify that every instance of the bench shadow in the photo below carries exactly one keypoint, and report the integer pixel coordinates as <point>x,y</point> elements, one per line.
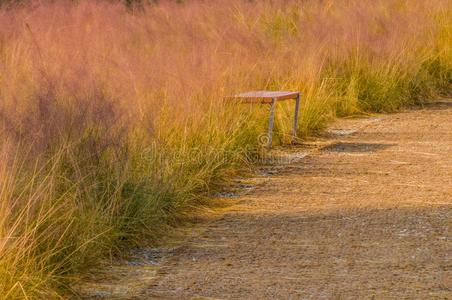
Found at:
<point>356,147</point>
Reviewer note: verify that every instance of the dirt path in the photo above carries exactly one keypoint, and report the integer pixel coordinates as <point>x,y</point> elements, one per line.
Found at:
<point>369,216</point>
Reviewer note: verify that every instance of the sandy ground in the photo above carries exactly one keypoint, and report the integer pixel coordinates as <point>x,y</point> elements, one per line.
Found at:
<point>368,215</point>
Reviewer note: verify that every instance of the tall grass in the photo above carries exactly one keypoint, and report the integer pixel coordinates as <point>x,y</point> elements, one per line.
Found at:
<point>112,124</point>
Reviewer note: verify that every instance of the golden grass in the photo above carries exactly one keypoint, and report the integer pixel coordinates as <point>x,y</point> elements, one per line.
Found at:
<point>112,123</point>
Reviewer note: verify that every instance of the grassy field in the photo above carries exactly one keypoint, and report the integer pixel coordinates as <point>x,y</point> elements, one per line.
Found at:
<point>112,122</point>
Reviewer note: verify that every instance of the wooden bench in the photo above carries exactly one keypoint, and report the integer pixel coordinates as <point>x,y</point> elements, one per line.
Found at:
<point>271,97</point>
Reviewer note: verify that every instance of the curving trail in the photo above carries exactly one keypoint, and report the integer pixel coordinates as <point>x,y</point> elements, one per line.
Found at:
<point>368,215</point>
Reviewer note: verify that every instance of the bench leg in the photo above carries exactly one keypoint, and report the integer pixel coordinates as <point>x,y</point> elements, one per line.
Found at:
<point>295,120</point>
<point>270,123</point>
